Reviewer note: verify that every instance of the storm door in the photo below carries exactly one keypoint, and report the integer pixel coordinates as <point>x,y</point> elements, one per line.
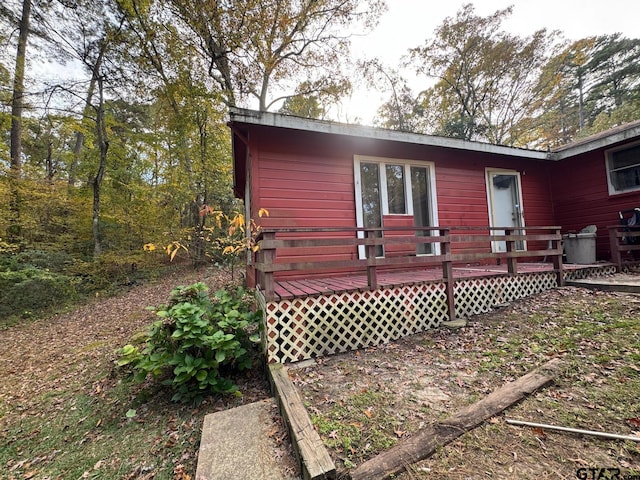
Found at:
<point>504,194</point>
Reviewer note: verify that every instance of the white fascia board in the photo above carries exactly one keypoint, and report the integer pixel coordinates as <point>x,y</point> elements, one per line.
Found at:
<point>603,141</point>
<point>322,126</point>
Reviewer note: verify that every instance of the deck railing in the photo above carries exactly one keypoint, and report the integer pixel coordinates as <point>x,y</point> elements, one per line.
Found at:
<point>450,245</point>
<point>623,239</point>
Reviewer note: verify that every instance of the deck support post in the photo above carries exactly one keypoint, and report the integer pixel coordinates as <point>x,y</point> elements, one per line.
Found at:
<point>447,274</point>
<point>614,242</point>
<point>372,276</point>
<point>512,262</point>
<point>558,267</point>
<point>268,257</point>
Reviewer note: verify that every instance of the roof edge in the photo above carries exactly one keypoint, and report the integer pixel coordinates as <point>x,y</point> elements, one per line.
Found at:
<point>599,140</point>
<point>269,119</point>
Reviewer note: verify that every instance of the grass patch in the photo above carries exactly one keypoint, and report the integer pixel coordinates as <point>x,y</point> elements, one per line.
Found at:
<point>88,435</point>
<point>359,425</point>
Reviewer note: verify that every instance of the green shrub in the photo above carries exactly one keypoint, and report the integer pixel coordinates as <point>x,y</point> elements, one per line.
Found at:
<point>45,260</point>
<point>25,291</point>
<point>197,342</point>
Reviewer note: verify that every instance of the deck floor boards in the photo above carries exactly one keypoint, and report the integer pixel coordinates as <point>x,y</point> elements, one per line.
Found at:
<point>343,283</point>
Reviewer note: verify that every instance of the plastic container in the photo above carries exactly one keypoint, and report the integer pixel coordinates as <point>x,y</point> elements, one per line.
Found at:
<point>580,248</point>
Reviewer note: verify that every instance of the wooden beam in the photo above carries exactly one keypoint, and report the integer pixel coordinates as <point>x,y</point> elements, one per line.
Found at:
<point>424,443</point>
<point>314,459</point>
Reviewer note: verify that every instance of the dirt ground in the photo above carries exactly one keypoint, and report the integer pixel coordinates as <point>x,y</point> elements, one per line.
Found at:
<point>364,402</point>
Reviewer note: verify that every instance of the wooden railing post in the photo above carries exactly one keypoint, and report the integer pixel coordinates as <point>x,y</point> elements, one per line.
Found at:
<point>268,255</point>
<point>512,262</point>
<point>372,276</point>
<point>558,267</point>
<point>447,273</point>
<point>614,242</point>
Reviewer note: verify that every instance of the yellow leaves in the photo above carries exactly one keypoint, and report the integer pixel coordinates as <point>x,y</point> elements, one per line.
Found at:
<point>173,248</point>
<point>228,236</point>
<point>236,224</point>
<point>149,247</point>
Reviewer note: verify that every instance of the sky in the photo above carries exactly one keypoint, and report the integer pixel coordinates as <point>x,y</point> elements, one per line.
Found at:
<point>409,23</point>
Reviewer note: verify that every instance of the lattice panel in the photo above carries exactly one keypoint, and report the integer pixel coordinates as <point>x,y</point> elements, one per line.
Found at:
<point>592,272</point>
<point>302,328</point>
<point>479,295</point>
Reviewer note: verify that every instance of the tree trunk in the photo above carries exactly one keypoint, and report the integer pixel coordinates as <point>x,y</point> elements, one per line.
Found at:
<point>14,231</point>
<point>79,143</point>
<point>103,145</point>
<point>51,169</point>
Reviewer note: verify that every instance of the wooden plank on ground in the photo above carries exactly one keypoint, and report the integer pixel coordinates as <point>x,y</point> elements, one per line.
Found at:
<point>424,443</point>
<point>313,457</point>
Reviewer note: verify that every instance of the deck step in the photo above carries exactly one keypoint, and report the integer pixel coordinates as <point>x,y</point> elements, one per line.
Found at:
<point>235,444</point>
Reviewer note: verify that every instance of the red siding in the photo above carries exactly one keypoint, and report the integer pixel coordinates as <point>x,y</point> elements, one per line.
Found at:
<point>306,179</point>
<point>581,197</point>
<point>399,221</point>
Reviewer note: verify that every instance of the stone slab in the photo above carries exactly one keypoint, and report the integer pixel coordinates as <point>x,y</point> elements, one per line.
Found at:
<point>616,283</point>
<point>236,445</point>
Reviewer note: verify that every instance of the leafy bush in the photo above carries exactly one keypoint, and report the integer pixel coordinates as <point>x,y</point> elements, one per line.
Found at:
<point>25,291</point>
<point>45,260</point>
<point>197,342</point>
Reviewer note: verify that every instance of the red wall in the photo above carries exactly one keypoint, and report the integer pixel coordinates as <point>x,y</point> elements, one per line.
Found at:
<point>581,197</point>
<point>306,179</point>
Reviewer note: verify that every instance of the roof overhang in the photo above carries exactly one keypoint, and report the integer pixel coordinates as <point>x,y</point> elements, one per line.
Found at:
<point>622,133</point>
<point>267,119</point>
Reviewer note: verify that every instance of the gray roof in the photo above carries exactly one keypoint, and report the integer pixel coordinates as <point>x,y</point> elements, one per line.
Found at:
<point>268,119</point>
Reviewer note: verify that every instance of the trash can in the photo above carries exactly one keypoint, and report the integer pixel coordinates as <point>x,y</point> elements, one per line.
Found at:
<point>581,247</point>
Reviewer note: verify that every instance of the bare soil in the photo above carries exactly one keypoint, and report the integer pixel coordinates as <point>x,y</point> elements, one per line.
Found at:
<point>364,402</point>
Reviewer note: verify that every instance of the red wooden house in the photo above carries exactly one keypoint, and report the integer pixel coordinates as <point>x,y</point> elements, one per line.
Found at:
<point>356,210</point>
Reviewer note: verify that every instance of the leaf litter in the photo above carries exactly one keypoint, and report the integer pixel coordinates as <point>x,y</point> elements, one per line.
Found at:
<point>66,412</point>
<point>429,376</point>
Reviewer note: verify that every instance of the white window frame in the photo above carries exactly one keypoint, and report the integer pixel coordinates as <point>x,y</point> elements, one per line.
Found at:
<point>608,167</point>
<point>384,198</point>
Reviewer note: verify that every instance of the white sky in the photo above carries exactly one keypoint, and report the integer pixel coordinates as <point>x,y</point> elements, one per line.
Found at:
<point>408,23</point>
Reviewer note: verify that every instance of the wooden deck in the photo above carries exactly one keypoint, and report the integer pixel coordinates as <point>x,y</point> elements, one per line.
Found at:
<point>338,284</point>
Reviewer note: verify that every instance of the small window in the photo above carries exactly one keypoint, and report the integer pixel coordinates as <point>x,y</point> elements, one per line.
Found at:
<point>395,189</point>
<point>623,170</point>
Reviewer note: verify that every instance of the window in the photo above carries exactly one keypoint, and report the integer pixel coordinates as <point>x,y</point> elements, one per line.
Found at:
<point>395,187</point>
<point>623,170</point>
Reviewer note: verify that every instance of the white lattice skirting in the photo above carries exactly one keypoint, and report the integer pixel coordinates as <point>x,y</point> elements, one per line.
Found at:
<point>303,328</point>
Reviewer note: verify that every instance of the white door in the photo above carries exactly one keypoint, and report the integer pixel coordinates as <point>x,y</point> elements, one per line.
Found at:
<point>504,194</point>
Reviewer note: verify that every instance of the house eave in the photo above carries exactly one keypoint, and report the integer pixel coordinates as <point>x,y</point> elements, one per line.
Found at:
<point>602,140</point>
<point>322,126</point>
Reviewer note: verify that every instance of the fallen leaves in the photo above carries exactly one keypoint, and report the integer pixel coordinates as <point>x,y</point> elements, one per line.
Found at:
<point>62,357</point>
<point>633,422</point>
<point>431,374</point>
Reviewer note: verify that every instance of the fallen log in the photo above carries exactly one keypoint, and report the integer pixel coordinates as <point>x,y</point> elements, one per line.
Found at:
<point>424,443</point>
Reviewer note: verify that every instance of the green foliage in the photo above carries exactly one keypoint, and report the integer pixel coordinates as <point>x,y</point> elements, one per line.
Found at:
<point>197,342</point>
<point>484,82</point>
<point>24,291</point>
